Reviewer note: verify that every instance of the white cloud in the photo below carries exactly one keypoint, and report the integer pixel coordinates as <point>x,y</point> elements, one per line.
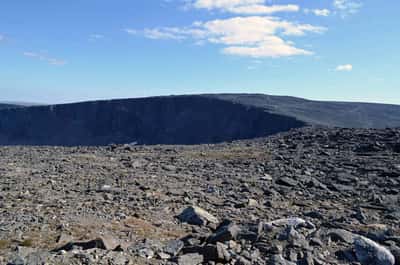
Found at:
<point>167,33</point>
<point>223,4</point>
<point>45,58</point>
<point>252,7</point>
<point>254,36</point>
<point>274,47</point>
<point>2,37</point>
<point>321,12</point>
<point>347,7</point>
<point>344,68</point>
<point>263,9</point>
<point>130,31</point>
<point>318,12</point>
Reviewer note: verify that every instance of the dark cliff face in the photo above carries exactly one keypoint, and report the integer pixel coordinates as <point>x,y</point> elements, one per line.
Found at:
<point>160,120</point>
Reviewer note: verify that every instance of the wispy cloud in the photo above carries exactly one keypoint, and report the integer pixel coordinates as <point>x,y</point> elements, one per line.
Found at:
<point>45,58</point>
<point>347,7</point>
<point>2,37</point>
<point>318,12</point>
<point>253,7</point>
<point>130,31</point>
<point>167,33</point>
<point>254,36</point>
<point>344,68</point>
<point>95,37</point>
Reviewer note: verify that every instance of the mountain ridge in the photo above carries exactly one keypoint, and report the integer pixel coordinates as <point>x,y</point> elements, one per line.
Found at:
<point>326,113</point>
<point>185,119</point>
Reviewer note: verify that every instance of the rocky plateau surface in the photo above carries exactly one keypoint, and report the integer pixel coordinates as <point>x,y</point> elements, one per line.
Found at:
<point>308,196</point>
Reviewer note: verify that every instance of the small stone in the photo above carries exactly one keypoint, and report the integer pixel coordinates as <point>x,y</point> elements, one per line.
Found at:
<point>293,221</point>
<point>25,251</point>
<point>108,197</point>
<point>190,259</point>
<point>173,247</point>
<point>316,242</point>
<point>276,249</point>
<point>286,181</point>
<point>147,253</point>
<point>242,261</point>
<point>64,238</point>
<point>163,256</point>
<point>252,203</point>
<point>314,215</point>
<point>294,238</point>
<point>223,254</point>
<point>225,233</point>
<point>105,188</point>
<point>279,260</point>
<point>267,177</point>
<point>109,242</point>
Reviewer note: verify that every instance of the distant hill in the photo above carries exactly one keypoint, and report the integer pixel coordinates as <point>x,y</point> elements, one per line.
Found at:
<point>8,105</point>
<point>328,113</point>
<point>193,119</point>
<point>19,103</point>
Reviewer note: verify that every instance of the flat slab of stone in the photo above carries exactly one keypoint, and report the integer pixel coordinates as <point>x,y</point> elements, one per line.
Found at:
<point>197,216</point>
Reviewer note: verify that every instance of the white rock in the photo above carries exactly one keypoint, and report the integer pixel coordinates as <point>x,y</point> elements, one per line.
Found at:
<point>293,221</point>
<point>197,216</point>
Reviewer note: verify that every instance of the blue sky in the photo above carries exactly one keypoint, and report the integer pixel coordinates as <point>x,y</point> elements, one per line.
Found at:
<point>64,51</point>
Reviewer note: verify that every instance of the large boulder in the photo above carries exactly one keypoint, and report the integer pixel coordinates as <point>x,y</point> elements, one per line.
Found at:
<point>369,252</point>
<point>104,242</point>
<point>197,216</point>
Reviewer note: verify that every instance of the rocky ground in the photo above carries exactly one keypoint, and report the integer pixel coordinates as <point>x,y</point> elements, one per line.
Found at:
<point>310,196</point>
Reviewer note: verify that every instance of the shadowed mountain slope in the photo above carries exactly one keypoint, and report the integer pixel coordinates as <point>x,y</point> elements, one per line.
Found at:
<point>326,113</point>
<point>158,120</point>
<point>8,106</point>
<point>182,119</point>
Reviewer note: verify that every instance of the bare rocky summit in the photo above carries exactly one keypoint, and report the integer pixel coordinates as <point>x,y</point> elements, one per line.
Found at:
<point>308,196</point>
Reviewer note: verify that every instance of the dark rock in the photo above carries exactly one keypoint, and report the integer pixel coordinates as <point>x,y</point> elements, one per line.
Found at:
<point>279,260</point>
<point>225,233</point>
<point>294,238</point>
<point>286,181</point>
<point>396,253</point>
<point>242,261</point>
<point>173,247</point>
<point>315,215</point>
